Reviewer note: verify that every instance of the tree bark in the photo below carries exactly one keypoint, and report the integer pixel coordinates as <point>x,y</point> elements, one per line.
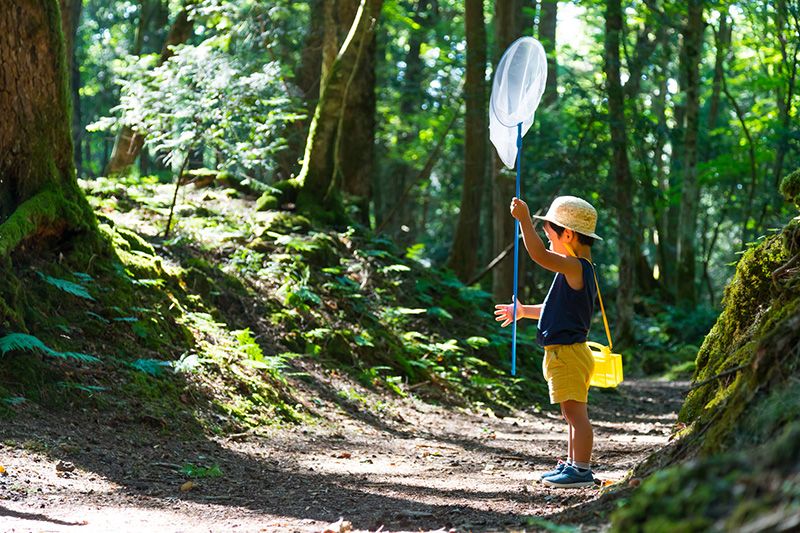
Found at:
<point>39,194</point>
<point>128,143</point>
<point>70,18</point>
<point>320,178</point>
<point>463,254</point>
<point>690,63</point>
<point>508,27</point>
<point>355,151</point>
<point>547,36</point>
<point>785,90</point>
<point>620,167</point>
<point>307,80</point>
<point>722,41</point>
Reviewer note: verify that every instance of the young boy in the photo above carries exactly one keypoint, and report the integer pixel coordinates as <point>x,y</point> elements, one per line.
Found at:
<point>564,320</point>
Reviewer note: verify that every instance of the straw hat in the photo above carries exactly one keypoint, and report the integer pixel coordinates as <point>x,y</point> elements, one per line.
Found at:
<point>572,213</point>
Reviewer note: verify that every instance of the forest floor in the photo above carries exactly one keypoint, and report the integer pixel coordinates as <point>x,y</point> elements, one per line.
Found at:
<point>414,466</point>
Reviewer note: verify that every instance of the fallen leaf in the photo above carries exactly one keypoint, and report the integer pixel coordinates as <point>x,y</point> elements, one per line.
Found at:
<point>344,455</point>
<point>340,526</point>
<point>64,466</point>
<point>189,485</point>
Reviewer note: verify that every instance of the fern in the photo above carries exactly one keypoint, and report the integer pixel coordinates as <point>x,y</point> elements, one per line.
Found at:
<point>78,386</point>
<point>154,367</point>
<point>67,286</point>
<point>28,343</point>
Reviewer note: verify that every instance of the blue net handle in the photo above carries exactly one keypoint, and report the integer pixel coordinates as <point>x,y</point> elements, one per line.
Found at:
<point>516,258</point>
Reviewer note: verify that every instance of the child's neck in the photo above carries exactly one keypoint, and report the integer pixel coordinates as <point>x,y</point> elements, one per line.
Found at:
<point>580,250</point>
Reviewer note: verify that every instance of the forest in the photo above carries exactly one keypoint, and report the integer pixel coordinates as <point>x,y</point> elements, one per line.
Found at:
<point>251,253</point>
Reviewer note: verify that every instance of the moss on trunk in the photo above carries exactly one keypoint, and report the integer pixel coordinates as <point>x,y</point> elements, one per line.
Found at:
<point>736,464</point>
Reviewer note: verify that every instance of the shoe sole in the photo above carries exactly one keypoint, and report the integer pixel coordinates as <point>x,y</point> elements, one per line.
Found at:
<point>573,485</point>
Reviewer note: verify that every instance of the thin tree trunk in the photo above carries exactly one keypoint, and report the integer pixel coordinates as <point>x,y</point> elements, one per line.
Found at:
<point>785,91</point>
<point>508,26</point>
<point>129,143</point>
<point>687,228</point>
<point>463,254</point>
<point>620,166</point>
<point>722,40</point>
<point>547,36</point>
<point>39,195</point>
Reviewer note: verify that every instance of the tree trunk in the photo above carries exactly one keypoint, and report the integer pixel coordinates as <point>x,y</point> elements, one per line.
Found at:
<point>687,226</point>
<point>320,177</point>
<point>722,41</point>
<point>785,89</point>
<point>129,143</point>
<point>307,80</point>
<point>547,36</point>
<point>623,183</point>
<point>70,18</point>
<point>355,152</point>
<point>508,27</point>
<point>463,254</point>
<point>39,195</point>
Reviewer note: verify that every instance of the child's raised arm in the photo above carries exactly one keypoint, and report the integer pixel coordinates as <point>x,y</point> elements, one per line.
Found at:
<point>555,262</point>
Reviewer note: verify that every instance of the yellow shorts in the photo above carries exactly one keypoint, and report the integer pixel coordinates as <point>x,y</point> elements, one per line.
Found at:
<point>568,369</point>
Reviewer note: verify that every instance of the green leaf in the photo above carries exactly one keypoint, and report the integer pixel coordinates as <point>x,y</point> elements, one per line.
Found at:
<point>67,286</point>
<point>154,367</point>
<point>440,313</point>
<point>478,342</point>
<point>201,471</point>
<point>28,343</point>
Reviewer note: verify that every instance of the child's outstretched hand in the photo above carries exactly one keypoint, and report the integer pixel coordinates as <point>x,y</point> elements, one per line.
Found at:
<point>504,312</point>
<point>519,210</point>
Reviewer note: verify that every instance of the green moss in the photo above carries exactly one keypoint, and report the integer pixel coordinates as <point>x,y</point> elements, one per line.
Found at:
<point>284,222</point>
<point>43,212</point>
<point>790,187</point>
<point>747,301</point>
<point>266,202</point>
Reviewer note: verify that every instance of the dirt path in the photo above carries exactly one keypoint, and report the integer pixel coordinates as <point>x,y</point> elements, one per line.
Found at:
<point>399,465</point>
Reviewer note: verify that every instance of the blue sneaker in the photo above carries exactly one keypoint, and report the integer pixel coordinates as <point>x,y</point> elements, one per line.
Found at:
<point>558,469</point>
<point>570,477</point>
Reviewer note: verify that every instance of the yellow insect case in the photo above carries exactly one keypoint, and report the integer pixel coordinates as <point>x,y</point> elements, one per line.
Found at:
<point>607,365</point>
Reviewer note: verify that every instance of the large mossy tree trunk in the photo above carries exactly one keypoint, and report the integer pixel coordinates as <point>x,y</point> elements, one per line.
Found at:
<point>321,178</point>
<point>620,167</point>
<point>464,252</point>
<point>39,195</point>
<point>690,193</point>
<point>128,144</point>
<point>508,26</point>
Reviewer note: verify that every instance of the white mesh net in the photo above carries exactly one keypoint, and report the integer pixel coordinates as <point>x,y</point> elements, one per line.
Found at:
<point>516,92</point>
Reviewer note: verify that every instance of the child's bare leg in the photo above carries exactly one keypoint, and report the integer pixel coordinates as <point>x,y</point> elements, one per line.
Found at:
<point>583,437</point>
<point>570,456</point>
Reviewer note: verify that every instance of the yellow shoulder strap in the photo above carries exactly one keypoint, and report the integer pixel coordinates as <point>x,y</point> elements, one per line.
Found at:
<point>599,296</point>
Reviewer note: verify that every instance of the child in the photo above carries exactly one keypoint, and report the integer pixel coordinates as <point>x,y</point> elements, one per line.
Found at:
<point>564,319</point>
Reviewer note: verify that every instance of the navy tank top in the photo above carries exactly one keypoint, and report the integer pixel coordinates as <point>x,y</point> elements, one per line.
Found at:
<point>567,313</point>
